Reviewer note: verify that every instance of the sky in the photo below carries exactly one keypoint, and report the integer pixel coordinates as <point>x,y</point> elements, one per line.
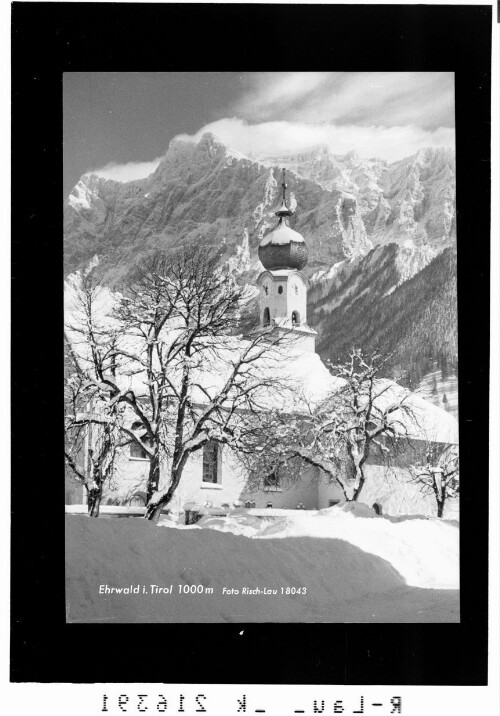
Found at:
<point>119,125</point>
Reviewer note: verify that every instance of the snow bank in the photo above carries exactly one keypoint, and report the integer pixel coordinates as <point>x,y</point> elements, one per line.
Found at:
<point>425,552</point>
<point>342,583</point>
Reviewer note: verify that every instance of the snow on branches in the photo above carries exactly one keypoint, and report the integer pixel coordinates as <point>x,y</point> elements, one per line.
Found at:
<point>439,475</point>
<point>166,359</point>
<point>363,412</point>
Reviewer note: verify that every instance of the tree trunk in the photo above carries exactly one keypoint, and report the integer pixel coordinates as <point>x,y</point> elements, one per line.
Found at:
<point>154,475</point>
<point>153,509</point>
<point>94,497</point>
<point>359,481</point>
<point>153,512</point>
<point>357,490</point>
<point>440,505</point>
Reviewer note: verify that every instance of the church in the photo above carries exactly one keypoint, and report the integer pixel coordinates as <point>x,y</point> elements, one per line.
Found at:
<point>214,480</point>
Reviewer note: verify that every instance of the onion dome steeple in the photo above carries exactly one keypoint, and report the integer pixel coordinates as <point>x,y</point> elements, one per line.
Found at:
<point>283,248</point>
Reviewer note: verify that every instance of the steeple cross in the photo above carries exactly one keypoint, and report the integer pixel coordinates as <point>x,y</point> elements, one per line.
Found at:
<point>284,186</point>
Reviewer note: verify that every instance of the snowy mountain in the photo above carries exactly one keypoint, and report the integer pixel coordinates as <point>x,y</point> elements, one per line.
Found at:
<point>371,305</point>
<point>203,192</point>
<point>371,228</point>
<point>410,199</point>
<point>206,191</point>
<point>441,390</point>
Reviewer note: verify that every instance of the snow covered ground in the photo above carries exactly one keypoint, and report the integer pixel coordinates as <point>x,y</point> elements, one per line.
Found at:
<point>326,566</point>
<point>424,551</point>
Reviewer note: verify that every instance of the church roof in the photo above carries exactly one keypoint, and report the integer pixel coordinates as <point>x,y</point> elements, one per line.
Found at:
<point>282,234</point>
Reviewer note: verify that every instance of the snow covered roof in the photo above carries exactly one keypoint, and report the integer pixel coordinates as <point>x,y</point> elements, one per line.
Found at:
<point>293,380</point>
<point>282,234</point>
<point>428,422</point>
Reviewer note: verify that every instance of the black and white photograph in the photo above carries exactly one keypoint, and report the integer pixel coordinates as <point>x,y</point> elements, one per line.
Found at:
<point>250,357</point>
<point>261,384</point>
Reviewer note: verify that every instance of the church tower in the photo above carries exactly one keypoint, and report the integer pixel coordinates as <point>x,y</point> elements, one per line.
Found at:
<point>283,286</point>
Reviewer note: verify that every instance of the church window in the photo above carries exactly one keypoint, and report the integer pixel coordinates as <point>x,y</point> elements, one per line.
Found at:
<point>296,290</point>
<point>211,462</point>
<point>295,318</point>
<point>266,319</point>
<point>272,482</point>
<point>137,452</point>
<point>138,499</point>
<point>280,289</point>
<point>266,290</point>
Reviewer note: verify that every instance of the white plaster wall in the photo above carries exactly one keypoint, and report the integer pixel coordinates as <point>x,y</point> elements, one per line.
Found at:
<point>279,301</point>
<point>393,491</point>
<point>304,492</point>
<point>131,475</point>
<point>390,489</point>
<point>281,305</point>
<point>297,301</point>
<point>328,491</point>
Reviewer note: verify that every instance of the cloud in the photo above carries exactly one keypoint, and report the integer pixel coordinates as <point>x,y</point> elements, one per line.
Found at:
<point>379,114</point>
<point>423,99</point>
<point>271,93</point>
<point>272,138</point>
<point>127,172</point>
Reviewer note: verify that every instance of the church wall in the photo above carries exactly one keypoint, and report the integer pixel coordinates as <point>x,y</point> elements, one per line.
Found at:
<point>131,477</point>
<point>388,487</point>
<point>279,301</point>
<point>74,492</point>
<point>303,492</point>
<point>392,490</point>
<point>327,493</point>
<point>297,301</point>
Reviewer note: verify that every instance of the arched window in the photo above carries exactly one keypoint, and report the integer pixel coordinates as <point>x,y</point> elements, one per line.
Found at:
<point>136,451</point>
<point>295,318</point>
<point>280,289</point>
<point>211,462</point>
<point>272,482</point>
<point>266,318</point>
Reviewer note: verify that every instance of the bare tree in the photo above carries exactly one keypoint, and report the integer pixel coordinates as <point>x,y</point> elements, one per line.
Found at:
<point>169,358</point>
<point>365,412</point>
<point>284,444</point>
<point>91,438</point>
<point>368,412</point>
<point>439,475</point>
<point>96,421</point>
<point>219,385</point>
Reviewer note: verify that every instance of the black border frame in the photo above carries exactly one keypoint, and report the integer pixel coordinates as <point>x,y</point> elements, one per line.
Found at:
<point>50,38</point>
